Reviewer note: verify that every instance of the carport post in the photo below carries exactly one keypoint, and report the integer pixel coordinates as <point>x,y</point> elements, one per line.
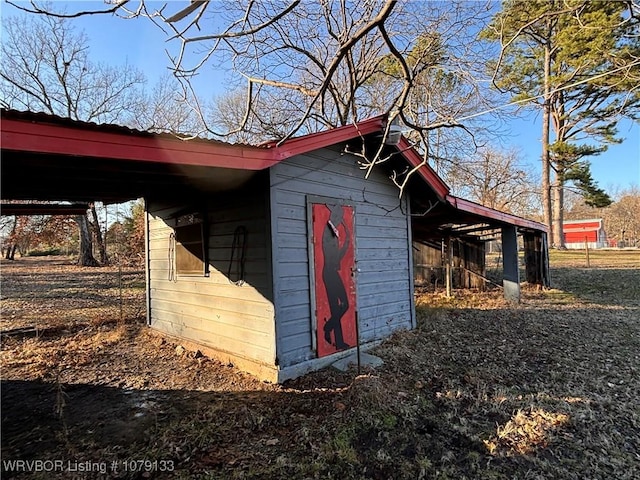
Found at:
<point>535,258</point>
<point>448,259</point>
<point>511,273</point>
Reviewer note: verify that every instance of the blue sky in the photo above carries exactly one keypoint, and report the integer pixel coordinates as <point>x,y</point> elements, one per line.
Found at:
<point>140,43</point>
<point>618,167</point>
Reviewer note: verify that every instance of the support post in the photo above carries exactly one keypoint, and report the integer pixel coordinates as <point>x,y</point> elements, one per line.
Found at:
<point>534,258</point>
<point>511,273</point>
<point>448,259</point>
<point>546,275</point>
<point>586,249</point>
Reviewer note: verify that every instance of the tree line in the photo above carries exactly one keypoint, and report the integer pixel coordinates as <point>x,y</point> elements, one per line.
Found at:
<point>451,73</point>
<point>121,232</point>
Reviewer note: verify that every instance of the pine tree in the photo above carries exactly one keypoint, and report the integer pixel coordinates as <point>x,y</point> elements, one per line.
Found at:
<point>578,61</point>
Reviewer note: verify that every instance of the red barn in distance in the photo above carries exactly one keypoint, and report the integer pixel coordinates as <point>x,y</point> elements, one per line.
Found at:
<point>580,233</point>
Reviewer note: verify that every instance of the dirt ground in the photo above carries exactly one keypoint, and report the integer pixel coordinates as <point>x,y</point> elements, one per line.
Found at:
<point>482,389</point>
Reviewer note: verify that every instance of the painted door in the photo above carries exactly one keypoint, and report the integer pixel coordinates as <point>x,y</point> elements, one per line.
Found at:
<point>334,267</point>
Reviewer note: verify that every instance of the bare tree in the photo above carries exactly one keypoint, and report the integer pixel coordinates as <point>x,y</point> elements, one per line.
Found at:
<point>46,67</point>
<point>86,257</point>
<point>268,118</point>
<point>165,109</point>
<point>499,180</point>
<point>9,240</point>
<point>303,66</point>
<point>623,217</point>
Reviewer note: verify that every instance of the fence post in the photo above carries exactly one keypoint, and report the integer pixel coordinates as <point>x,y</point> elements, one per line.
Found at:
<point>586,249</point>
<point>448,259</point>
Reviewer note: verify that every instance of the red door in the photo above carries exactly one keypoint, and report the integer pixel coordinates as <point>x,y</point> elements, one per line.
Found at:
<point>335,289</point>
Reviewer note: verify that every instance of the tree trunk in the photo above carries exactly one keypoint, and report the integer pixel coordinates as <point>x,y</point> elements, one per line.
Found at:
<point>12,245</point>
<point>546,160</point>
<point>558,212</point>
<point>86,245</point>
<point>102,249</point>
<point>11,251</point>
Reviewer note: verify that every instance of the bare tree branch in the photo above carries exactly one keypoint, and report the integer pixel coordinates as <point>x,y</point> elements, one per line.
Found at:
<point>35,9</point>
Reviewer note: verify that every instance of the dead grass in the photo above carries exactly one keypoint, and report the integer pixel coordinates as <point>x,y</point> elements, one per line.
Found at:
<point>526,432</point>
<point>482,389</point>
<point>627,258</point>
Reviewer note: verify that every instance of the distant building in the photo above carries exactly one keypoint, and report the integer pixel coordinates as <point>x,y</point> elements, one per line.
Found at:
<point>580,233</point>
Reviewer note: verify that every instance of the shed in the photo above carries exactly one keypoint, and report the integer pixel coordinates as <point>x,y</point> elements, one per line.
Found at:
<point>584,233</point>
<point>278,258</point>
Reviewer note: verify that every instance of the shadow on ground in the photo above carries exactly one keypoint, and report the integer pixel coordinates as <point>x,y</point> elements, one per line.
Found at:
<point>481,389</point>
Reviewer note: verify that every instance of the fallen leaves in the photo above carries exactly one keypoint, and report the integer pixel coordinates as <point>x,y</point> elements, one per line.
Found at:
<point>482,389</point>
<point>526,432</point>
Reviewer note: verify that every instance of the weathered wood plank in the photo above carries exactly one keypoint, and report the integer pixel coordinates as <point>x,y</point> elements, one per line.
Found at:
<point>224,291</point>
<point>172,324</point>
<point>371,265</point>
<point>382,242</point>
<point>212,318</point>
<point>393,279</point>
<point>246,311</point>
<point>212,310</point>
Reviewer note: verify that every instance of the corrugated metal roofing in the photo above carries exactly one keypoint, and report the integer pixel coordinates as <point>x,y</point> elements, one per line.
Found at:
<point>43,117</point>
<point>162,157</point>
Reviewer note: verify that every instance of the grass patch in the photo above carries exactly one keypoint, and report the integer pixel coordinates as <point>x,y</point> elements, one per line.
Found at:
<point>597,258</point>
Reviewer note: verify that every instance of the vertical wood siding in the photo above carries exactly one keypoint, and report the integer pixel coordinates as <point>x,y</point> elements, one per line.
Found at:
<point>384,293</point>
<point>212,310</point>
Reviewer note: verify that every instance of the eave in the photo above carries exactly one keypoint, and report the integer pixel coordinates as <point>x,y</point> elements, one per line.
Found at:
<point>76,139</point>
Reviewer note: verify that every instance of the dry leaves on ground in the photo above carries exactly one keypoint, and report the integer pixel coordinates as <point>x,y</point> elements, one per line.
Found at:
<point>481,389</point>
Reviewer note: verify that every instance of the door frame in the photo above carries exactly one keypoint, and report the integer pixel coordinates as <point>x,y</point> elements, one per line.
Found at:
<point>345,202</point>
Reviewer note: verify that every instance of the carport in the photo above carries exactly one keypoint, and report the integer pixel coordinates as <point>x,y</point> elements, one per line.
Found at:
<point>50,158</point>
<point>238,237</point>
<point>474,226</point>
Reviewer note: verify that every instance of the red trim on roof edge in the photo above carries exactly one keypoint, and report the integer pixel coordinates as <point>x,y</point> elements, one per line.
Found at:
<point>480,210</point>
<point>39,137</point>
<point>314,141</point>
<point>43,133</point>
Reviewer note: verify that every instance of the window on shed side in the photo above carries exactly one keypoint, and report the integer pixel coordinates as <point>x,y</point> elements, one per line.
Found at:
<point>191,245</point>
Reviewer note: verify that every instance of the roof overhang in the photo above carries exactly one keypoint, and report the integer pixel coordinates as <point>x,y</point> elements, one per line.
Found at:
<point>466,220</point>
<point>37,208</point>
<point>45,134</point>
<point>335,136</point>
<point>45,157</point>
<point>492,216</point>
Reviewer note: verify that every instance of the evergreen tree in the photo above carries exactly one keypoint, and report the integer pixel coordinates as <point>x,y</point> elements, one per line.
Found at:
<point>578,61</point>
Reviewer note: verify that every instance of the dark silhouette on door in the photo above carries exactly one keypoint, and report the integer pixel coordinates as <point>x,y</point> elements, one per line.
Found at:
<point>334,259</point>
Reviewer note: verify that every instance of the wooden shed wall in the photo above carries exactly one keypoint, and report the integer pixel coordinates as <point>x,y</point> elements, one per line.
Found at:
<point>213,311</point>
<point>384,283</point>
<point>429,265</point>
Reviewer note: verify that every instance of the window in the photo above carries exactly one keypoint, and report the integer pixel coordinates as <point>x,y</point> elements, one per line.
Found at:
<point>191,250</point>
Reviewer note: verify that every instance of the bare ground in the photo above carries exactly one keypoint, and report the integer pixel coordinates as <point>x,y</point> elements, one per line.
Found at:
<point>482,389</point>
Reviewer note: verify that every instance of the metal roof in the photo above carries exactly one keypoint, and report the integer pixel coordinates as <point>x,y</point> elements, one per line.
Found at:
<point>46,157</point>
